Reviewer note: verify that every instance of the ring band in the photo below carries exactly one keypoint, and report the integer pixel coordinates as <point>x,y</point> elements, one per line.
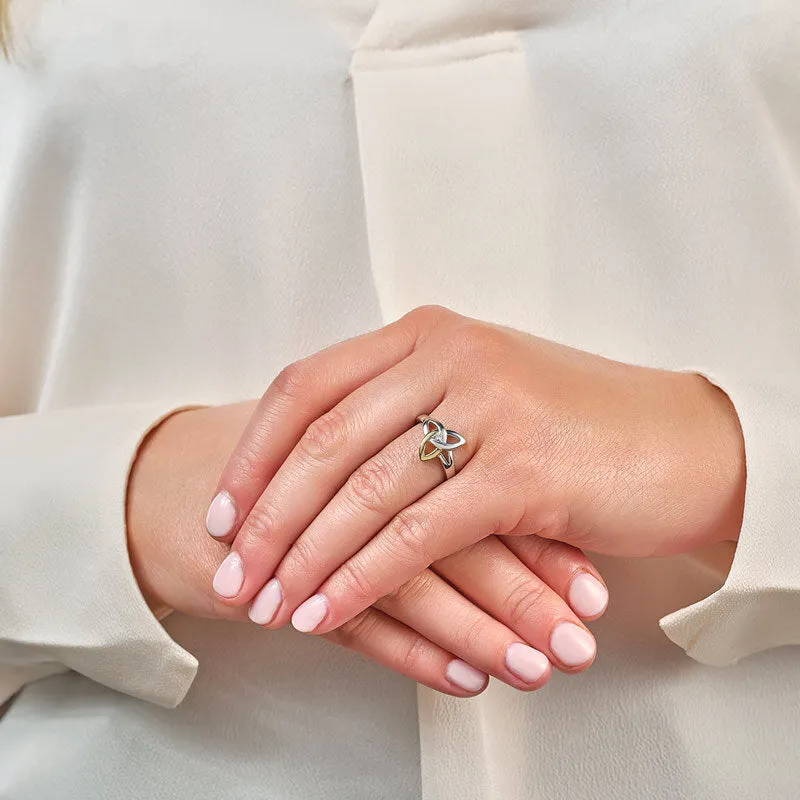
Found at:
<point>435,434</point>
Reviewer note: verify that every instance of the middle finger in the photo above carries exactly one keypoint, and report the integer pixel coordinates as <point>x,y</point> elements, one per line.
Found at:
<point>297,524</point>
<point>361,508</point>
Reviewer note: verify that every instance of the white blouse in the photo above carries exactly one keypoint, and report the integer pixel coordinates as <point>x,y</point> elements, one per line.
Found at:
<point>194,194</point>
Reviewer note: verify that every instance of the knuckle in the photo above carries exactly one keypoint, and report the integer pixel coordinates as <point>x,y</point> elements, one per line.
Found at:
<point>262,521</point>
<point>424,320</point>
<point>522,599</point>
<point>431,311</point>
<point>409,593</point>
<point>250,462</point>
<point>358,630</point>
<point>412,655</point>
<point>359,586</point>
<point>530,547</point>
<point>324,435</point>
<point>411,535</point>
<point>556,557</point>
<point>470,636</point>
<point>370,485</point>
<point>301,560</point>
<point>291,382</point>
<point>554,524</point>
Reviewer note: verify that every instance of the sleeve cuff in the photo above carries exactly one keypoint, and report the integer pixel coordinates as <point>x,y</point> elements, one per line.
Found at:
<point>758,606</point>
<point>68,594</point>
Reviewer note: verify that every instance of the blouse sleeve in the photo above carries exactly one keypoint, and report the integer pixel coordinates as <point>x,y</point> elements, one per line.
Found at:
<point>68,596</point>
<point>758,606</point>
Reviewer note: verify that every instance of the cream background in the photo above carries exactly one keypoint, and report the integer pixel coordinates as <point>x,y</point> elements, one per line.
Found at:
<point>194,194</point>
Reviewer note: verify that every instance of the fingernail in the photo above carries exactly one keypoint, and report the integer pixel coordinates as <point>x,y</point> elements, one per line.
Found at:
<point>266,603</point>
<point>526,663</point>
<point>465,675</point>
<point>572,645</point>
<point>308,615</point>
<point>230,576</point>
<point>587,596</point>
<point>221,515</point>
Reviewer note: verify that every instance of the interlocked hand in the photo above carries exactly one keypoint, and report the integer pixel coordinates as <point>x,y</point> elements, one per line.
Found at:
<point>327,498</point>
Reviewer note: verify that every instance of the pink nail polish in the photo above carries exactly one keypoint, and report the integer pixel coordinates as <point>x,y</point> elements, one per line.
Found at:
<point>526,663</point>
<point>230,576</point>
<point>465,676</point>
<point>308,615</point>
<point>587,596</point>
<point>572,645</point>
<point>221,515</point>
<point>266,603</point>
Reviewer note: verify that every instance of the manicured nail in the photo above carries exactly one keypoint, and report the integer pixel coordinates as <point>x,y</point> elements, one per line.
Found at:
<point>221,515</point>
<point>572,645</point>
<point>526,663</point>
<point>465,675</point>
<point>230,576</point>
<point>587,596</point>
<point>266,603</point>
<point>308,615</point>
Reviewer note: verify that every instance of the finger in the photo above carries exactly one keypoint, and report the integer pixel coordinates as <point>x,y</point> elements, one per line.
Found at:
<point>429,605</point>
<point>455,514</point>
<point>492,577</point>
<point>339,459</point>
<point>566,570</point>
<point>371,496</point>
<point>299,394</point>
<point>392,644</point>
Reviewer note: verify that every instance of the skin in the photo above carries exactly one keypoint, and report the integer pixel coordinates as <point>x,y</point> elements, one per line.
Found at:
<point>469,606</point>
<point>332,500</point>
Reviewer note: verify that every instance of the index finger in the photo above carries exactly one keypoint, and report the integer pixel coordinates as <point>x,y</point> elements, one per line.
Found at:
<point>301,392</point>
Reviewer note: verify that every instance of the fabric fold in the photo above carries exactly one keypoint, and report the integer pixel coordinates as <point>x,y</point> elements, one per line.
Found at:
<point>68,597</point>
<point>758,606</point>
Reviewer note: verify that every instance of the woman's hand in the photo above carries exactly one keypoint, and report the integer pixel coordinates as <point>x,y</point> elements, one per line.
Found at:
<point>492,608</point>
<point>326,494</point>
<point>480,612</point>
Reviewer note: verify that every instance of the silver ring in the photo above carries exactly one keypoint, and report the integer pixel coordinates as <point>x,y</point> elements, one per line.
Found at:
<point>435,434</point>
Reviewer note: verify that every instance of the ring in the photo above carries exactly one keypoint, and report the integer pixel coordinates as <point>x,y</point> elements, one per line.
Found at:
<point>436,435</point>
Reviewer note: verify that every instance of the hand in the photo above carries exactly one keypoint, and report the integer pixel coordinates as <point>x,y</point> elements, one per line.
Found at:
<point>427,630</point>
<point>325,491</point>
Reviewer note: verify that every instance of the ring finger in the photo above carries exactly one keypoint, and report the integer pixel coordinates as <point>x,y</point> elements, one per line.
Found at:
<point>313,533</point>
<point>368,501</point>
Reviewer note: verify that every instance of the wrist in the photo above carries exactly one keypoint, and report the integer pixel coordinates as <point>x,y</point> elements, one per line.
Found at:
<point>725,462</point>
<point>148,462</point>
<point>170,482</point>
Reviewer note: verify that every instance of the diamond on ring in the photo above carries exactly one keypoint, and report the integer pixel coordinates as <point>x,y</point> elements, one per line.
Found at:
<point>437,436</point>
